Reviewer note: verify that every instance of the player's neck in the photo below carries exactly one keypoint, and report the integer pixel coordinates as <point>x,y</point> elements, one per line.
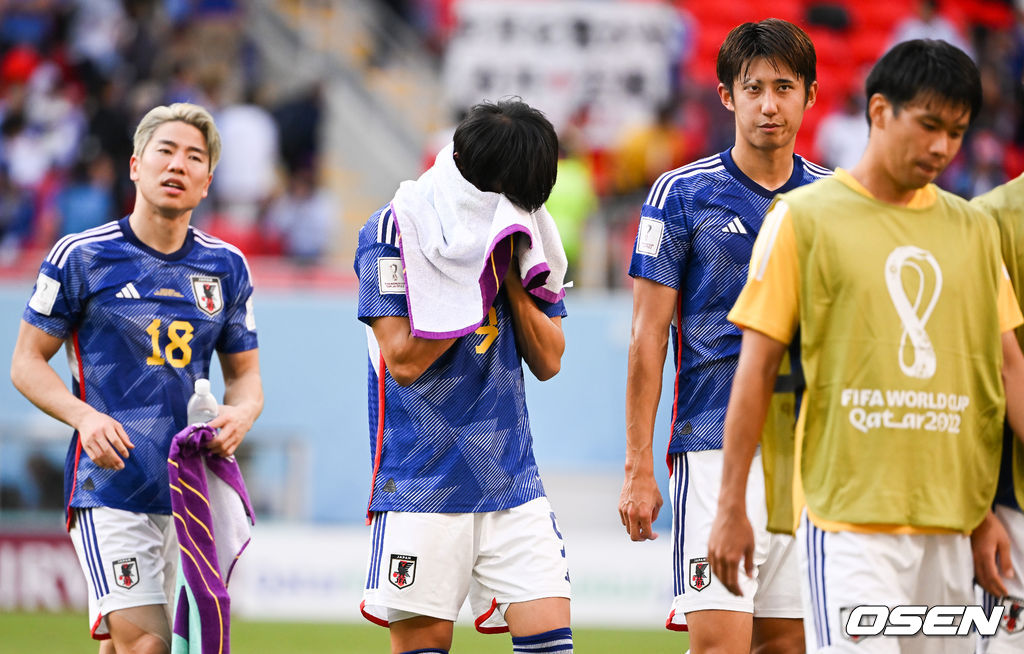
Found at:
<point>165,234</point>
<point>872,175</point>
<point>769,168</point>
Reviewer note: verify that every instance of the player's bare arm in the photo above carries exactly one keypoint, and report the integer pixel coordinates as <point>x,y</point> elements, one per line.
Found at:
<point>1013,382</point>
<point>102,437</point>
<point>243,400</point>
<point>538,336</point>
<point>990,546</point>
<point>406,356</point>
<point>640,500</point>
<point>732,538</point>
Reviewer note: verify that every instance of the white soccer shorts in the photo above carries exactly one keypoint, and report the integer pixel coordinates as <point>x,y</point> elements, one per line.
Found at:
<point>129,559</point>
<point>428,563</point>
<point>773,591</point>
<point>1010,637</point>
<point>843,570</point>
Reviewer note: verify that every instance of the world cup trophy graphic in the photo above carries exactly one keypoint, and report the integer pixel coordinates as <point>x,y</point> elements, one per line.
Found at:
<point>913,269</point>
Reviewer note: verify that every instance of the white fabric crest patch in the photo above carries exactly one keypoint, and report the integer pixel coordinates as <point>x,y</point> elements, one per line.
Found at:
<point>45,295</point>
<point>250,316</point>
<point>390,276</point>
<point>648,240</point>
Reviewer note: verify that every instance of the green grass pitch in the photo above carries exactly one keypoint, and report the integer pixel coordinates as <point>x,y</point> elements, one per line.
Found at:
<point>65,633</point>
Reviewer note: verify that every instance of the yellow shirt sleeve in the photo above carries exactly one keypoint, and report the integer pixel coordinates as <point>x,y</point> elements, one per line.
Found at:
<point>1009,311</point>
<point>768,302</point>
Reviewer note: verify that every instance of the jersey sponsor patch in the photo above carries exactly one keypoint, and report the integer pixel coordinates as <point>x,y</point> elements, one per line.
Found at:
<point>126,572</point>
<point>45,295</point>
<point>250,316</point>
<point>390,277</point>
<point>402,573</point>
<point>207,294</point>
<point>648,240</point>
<point>700,574</point>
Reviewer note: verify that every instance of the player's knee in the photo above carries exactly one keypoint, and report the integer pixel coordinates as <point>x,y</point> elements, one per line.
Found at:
<point>716,648</point>
<point>421,633</point>
<point>780,643</point>
<point>140,630</point>
<point>144,644</point>
<point>537,616</point>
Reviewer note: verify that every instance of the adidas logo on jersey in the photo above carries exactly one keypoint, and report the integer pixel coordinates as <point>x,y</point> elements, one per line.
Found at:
<point>129,292</point>
<point>735,227</point>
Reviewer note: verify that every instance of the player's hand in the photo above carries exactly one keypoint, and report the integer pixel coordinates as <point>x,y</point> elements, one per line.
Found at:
<point>639,505</point>
<point>234,423</point>
<point>990,545</point>
<point>731,540</point>
<point>104,440</point>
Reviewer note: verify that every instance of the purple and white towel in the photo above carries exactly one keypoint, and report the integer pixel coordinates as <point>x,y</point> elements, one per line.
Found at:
<point>212,516</point>
<point>456,243</point>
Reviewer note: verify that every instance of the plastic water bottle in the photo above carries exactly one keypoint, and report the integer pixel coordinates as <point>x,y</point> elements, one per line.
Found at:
<point>202,406</point>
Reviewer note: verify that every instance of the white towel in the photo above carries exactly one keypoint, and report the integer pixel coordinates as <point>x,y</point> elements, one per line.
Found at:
<point>449,237</point>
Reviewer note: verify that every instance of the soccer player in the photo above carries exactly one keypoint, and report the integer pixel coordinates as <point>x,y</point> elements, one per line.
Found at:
<point>906,319</point>
<point>140,304</point>
<point>456,500</point>
<point>697,228</point>
<point>999,543</point>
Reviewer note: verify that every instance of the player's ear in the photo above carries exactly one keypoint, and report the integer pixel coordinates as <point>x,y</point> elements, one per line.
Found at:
<point>725,95</point>
<point>206,187</point>
<point>812,94</point>
<point>878,106</point>
<point>133,168</point>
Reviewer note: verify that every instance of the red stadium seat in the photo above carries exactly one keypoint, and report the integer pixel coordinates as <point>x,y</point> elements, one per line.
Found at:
<point>866,46</point>
<point>994,15</point>
<point>791,10</point>
<point>831,46</point>
<point>879,16</point>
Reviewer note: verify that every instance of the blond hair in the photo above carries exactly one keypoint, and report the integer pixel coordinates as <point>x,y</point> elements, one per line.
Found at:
<point>185,112</point>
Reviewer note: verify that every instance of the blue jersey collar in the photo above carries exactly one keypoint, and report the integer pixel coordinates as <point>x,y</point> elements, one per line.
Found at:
<point>177,255</point>
<point>795,178</point>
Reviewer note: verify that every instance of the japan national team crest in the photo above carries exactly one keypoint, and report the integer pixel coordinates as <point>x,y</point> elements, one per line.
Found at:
<point>403,571</point>
<point>207,294</point>
<point>126,572</point>
<point>1013,614</point>
<point>700,574</point>
<point>844,619</point>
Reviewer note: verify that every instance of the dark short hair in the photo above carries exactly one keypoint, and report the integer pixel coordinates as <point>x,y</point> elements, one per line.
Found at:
<point>924,70</point>
<point>510,148</point>
<point>778,41</point>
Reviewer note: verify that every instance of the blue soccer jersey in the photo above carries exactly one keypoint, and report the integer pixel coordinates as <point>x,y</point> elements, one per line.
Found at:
<point>457,440</point>
<point>140,328</point>
<point>697,229</point>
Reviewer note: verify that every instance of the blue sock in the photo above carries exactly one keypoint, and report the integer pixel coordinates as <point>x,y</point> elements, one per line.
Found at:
<point>556,640</point>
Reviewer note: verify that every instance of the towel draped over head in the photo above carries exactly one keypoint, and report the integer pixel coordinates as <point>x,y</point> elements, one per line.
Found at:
<point>457,243</point>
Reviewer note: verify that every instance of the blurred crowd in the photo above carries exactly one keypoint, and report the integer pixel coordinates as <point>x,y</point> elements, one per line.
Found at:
<point>601,186</point>
<point>77,75</point>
